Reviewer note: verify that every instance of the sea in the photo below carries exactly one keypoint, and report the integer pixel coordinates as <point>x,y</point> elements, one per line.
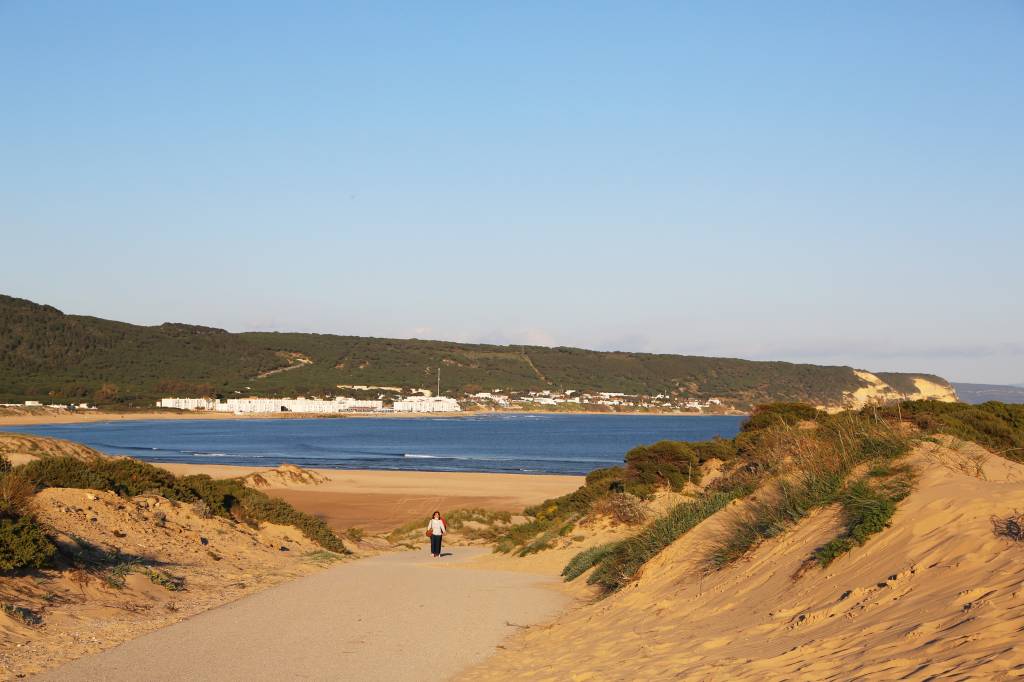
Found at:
<point>497,443</point>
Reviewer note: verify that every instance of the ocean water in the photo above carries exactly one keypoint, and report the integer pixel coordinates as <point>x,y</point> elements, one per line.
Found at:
<point>510,443</point>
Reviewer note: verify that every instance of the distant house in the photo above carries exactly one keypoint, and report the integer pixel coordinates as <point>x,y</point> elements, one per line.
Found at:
<point>427,404</point>
<point>268,405</point>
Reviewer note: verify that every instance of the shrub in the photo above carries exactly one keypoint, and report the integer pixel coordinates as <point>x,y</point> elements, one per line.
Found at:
<point>667,462</point>
<point>607,476</point>
<point>774,414</point>
<point>623,507</point>
<point>716,448</point>
<point>117,574</point>
<point>5,465</point>
<point>355,534</point>
<point>16,493</point>
<point>23,544</point>
<point>166,580</point>
<point>201,509</point>
<point>64,472</point>
<point>996,426</point>
<point>229,498</point>
<point>260,507</point>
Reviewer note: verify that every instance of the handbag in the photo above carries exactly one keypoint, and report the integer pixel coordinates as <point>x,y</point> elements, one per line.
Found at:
<point>430,532</point>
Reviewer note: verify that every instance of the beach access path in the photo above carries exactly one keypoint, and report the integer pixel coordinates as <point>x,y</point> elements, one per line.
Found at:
<point>403,616</point>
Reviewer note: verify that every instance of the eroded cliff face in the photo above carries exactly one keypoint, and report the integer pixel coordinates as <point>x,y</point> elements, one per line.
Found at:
<point>878,391</point>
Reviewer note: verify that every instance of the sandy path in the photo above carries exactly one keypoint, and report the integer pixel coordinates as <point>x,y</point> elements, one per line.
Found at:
<point>393,617</point>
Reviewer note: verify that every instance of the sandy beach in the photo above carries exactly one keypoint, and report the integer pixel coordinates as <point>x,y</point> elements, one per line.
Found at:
<point>378,501</point>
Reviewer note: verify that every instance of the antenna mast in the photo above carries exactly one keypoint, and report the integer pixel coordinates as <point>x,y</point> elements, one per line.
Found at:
<point>438,394</point>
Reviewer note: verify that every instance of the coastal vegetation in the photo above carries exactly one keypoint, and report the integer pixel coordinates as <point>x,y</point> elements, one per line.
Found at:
<point>49,356</point>
<point>23,540</point>
<point>788,460</point>
<point>25,543</point>
<point>999,427</point>
<point>229,498</point>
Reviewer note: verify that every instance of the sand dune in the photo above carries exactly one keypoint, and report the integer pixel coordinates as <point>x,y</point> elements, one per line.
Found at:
<point>937,594</point>
<point>82,611</point>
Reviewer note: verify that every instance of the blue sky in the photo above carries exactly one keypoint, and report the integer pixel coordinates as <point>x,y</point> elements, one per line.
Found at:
<point>834,183</point>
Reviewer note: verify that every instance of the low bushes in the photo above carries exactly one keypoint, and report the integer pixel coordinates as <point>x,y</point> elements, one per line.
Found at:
<point>229,498</point>
<point>16,493</point>
<point>23,540</point>
<point>647,467</point>
<point>623,507</point>
<point>776,414</point>
<point>996,426</point>
<point>23,544</point>
<point>259,507</point>
<point>667,463</point>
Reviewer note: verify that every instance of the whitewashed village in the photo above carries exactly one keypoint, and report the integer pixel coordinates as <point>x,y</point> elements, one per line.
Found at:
<point>394,399</point>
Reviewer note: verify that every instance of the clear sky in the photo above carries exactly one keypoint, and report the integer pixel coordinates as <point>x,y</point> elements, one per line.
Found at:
<point>829,182</point>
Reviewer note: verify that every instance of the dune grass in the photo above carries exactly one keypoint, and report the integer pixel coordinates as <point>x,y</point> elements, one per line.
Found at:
<point>868,506</point>
<point>796,459</point>
<point>586,560</point>
<point>814,466</point>
<point>624,561</point>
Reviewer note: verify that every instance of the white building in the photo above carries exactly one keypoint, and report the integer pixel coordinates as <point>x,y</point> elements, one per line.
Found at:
<point>270,405</point>
<point>187,403</point>
<point>418,403</point>
<point>494,398</point>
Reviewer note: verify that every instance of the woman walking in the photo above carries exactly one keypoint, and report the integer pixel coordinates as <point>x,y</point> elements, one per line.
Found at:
<point>436,529</point>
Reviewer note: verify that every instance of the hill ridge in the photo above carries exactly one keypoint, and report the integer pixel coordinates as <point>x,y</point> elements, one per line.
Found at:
<point>48,355</point>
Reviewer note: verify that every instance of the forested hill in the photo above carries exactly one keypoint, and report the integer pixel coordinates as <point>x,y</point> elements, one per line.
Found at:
<point>47,355</point>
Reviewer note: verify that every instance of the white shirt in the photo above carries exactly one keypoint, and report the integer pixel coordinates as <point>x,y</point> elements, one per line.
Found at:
<point>436,527</point>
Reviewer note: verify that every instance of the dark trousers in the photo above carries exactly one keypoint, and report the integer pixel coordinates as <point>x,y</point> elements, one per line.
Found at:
<point>435,544</point>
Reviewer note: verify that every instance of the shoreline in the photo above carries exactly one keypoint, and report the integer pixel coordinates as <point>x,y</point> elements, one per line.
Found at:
<point>52,416</point>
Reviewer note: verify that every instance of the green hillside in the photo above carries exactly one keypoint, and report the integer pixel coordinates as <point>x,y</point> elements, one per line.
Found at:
<point>47,355</point>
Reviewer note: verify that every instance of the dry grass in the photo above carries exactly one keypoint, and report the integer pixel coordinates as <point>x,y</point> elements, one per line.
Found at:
<point>16,495</point>
<point>1011,527</point>
<point>623,507</point>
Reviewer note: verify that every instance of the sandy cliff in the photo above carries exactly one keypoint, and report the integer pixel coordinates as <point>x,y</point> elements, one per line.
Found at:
<point>876,391</point>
